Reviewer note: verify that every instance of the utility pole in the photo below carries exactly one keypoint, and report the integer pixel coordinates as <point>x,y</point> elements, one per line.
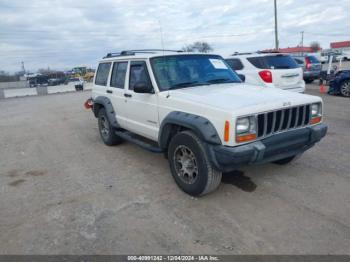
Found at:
<point>302,38</point>
<point>302,43</point>
<point>23,68</point>
<point>276,31</point>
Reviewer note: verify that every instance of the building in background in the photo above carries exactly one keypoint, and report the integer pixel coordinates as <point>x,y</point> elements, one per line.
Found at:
<point>340,46</point>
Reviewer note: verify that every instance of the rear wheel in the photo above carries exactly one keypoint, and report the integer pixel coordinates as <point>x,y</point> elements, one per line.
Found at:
<point>284,161</point>
<point>190,166</point>
<point>107,132</point>
<point>345,88</point>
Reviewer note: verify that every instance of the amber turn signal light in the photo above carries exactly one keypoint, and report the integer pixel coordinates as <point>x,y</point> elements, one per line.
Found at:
<point>227,131</point>
<point>315,120</point>
<point>245,138</point>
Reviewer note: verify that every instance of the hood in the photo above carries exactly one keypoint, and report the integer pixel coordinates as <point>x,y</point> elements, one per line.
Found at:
<point>230,97</point>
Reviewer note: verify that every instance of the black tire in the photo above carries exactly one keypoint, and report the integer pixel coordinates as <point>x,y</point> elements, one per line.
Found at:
<point>204,178</point>
<point>284,161</point>
<point>345,88</point>
<point>308,81</point>
<point>107,133</point>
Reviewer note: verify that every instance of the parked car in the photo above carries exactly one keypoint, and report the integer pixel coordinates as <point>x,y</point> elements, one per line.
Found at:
<point>269,70</point>
<point>345,56</point>
<point>326,55</point>
<point>193,108</point>
<point>56,81</point>
<point>77,82</point>
<point>38,80</point>
<point>311,67</point>
<point>340,84</point>
<point>323,59</point>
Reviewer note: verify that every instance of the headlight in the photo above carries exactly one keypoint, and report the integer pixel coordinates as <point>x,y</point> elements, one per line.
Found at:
<point>315,110</point>
<point>242,125</point>
<point>316,113</point>
<point>245,129</point>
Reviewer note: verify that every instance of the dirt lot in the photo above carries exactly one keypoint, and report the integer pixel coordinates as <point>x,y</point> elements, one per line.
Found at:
<point>64,192</point>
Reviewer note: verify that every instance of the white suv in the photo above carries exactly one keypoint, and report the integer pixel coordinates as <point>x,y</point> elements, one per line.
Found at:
<point>269,69</point>
<point>195,110</point>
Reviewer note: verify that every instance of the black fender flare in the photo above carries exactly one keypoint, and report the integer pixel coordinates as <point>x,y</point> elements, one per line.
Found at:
<point>198,124</point>
<point>107,104</point>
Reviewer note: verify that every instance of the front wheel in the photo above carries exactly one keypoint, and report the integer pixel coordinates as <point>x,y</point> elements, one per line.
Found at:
<point>190,166</point>
<point>345,88</point>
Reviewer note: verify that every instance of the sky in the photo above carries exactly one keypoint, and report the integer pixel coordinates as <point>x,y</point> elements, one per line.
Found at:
<point>62,34</point>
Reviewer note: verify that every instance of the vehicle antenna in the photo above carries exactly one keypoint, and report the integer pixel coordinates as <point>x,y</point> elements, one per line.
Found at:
<point>162,43</point>
<point>161,35</point>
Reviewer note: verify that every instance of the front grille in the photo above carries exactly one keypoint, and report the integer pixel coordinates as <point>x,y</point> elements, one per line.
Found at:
<point>282,120</point>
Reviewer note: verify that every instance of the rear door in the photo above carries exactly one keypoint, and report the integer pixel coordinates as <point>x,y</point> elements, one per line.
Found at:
<point>116,91</point>
<point>286,73</point>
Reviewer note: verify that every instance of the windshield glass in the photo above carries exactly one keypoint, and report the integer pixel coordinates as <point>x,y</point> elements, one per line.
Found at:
<point>181,71</point>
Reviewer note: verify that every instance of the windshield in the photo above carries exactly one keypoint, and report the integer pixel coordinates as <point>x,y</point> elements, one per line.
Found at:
<point>183,71</point>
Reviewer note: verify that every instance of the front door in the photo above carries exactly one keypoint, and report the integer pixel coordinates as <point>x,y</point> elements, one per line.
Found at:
<point>142,110</point>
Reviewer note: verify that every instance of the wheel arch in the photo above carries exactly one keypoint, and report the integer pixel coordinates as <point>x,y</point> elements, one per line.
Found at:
<point>105,102</point>
<point>178,121</point>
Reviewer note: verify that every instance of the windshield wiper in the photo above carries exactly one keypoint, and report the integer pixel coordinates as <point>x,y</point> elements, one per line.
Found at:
<point>187,84</point>
<point>221,80</point>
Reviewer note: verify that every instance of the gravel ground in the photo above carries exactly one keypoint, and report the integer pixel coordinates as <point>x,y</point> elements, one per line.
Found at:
<point>64,192</point>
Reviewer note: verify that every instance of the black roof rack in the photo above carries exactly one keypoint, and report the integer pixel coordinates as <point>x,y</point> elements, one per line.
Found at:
<point>139,51</point>
<point>238,53</point>
<point>268,51</point>
<point>257,52</point>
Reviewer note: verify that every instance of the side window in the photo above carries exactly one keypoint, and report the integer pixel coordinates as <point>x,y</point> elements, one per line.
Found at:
<point>102,74</point>
<point>138,73</point>
<point>118,74</point>
<point>235,64</point>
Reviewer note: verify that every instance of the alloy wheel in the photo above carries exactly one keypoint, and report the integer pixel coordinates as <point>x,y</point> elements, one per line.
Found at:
<point>345,88</point>
<point>185,164</point>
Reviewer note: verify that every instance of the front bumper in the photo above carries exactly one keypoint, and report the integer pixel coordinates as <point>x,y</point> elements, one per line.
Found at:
<point>269,149</point>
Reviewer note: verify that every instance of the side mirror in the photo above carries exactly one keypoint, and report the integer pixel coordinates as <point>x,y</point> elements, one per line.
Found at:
<point>242,77</point>
<point>142,87</point>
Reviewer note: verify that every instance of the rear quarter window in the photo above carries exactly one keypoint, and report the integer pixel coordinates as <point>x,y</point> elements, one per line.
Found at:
<point>299,61</point>
<point>273,62</point>
<point>102,74</point>
<point>235,63</point>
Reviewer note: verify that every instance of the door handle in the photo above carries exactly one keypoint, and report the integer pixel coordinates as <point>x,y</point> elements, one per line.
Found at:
<point>127,95</point>
<point>109,91</point>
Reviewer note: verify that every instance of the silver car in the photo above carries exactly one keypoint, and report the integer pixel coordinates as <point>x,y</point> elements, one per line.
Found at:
<point>311,67</point>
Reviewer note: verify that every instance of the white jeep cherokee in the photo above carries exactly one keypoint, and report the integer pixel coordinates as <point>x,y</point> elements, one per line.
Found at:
<point>195,109</point>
